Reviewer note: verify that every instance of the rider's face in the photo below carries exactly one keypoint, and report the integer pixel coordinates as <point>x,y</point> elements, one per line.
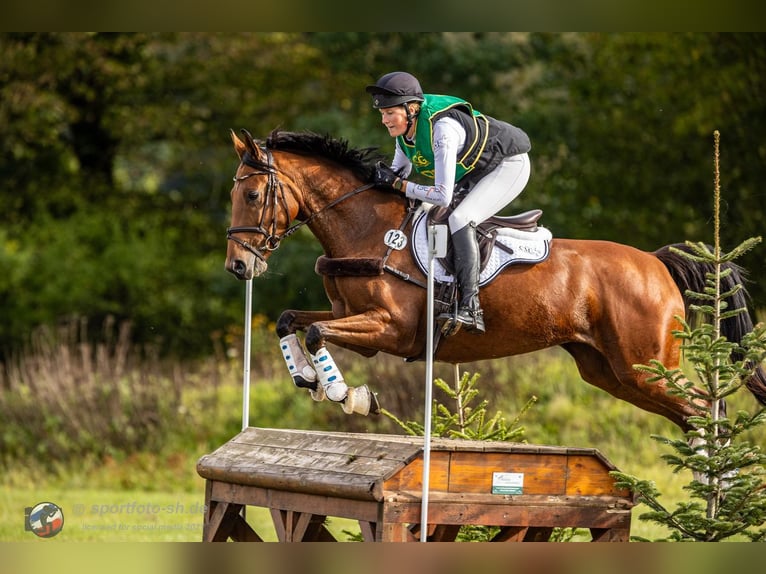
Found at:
<point>395,120</point>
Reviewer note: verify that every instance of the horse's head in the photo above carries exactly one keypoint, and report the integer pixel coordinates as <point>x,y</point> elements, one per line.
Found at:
<point>260,212</point>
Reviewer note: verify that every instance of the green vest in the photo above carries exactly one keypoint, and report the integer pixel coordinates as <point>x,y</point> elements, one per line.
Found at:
<point>421,153</point>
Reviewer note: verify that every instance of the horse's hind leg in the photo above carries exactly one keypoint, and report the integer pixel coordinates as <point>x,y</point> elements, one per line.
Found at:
<point>630,386</point>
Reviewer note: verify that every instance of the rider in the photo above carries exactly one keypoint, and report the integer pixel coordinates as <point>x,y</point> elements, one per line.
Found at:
<point>478,165</point>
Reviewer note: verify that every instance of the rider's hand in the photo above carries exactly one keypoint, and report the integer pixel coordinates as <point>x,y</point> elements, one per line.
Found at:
<point>386,177</point>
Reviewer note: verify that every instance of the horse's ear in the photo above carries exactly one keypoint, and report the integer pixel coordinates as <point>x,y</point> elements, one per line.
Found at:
<point>239,145</point>
<point>248,145</point>
<point>251,146</point>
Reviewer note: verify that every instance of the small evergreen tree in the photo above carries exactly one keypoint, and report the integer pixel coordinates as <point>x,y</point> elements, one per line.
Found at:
<point>727,491</point>
<point>466,420</point>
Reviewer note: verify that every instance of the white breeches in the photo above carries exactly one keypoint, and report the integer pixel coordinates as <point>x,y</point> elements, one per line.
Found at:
<point>492,193</point>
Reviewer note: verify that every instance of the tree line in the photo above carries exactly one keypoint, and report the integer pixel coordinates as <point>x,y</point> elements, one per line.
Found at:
<point>116,161</point>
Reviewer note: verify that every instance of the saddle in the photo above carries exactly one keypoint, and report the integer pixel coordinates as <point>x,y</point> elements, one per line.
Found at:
<point>485,232</point>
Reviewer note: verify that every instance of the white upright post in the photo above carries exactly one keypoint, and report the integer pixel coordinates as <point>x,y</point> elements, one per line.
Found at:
<point>437,247</point>
<point>246,355</point>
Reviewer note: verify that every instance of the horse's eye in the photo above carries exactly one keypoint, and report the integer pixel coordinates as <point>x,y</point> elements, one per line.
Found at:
<point>253,195</point>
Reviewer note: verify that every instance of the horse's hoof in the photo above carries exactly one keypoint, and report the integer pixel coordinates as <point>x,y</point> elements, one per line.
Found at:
<point>318,393</point>
<point>306,382</point>
<point>360,400</point>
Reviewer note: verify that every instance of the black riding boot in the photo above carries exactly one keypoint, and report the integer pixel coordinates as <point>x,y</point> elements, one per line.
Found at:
<point>466,260</point>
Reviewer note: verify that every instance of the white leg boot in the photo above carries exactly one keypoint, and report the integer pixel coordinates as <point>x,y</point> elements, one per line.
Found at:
<point>303,374</point>
<point>359,400</point>
<point>330,377</point>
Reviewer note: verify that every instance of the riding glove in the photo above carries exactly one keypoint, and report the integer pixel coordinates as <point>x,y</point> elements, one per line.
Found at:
<point>386,177</point>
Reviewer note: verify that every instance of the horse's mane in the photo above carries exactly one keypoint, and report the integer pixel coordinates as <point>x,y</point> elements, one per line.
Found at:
<point>359,161</point>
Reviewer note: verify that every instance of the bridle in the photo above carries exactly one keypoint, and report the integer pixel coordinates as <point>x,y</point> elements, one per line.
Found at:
<point>275,196</point>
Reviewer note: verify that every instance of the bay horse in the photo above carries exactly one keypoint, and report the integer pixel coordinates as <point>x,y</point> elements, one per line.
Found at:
<point>610,306</point>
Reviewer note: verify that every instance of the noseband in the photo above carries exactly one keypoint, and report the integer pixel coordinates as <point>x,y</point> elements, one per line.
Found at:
<point>275,195</point>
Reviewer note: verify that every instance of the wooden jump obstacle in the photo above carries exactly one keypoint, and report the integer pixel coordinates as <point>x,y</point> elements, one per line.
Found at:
<point>303,477</point>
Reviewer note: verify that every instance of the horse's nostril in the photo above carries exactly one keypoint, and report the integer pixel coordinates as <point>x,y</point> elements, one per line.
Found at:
<point>238,267</point>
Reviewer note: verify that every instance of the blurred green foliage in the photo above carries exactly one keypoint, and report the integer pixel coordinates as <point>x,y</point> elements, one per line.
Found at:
<point>116,163</point>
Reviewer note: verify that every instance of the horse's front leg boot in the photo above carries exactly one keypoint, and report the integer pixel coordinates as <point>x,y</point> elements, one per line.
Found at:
<point>330,377</point>
<point>303,374</point>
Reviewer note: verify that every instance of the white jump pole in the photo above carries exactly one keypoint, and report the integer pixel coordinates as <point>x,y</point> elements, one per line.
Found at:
<point>437,247</point>
<point>246,354</point>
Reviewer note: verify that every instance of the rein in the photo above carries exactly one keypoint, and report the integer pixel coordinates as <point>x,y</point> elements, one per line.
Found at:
<point>275,194</point>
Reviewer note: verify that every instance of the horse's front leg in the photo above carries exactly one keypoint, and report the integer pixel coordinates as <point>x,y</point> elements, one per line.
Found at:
<point>303,374</point>
<point>373,329</point>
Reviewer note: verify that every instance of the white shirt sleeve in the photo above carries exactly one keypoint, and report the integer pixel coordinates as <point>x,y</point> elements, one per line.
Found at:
<point>449,137</point>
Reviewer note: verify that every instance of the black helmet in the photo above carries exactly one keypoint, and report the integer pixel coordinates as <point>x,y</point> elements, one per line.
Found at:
<point>394,89</point>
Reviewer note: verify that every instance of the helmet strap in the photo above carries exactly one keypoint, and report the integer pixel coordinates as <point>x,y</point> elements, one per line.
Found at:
<point>410,117</point>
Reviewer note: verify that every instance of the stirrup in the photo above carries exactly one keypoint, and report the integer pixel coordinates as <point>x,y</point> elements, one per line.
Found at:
<point>473,319</point>
<point>450,326</point>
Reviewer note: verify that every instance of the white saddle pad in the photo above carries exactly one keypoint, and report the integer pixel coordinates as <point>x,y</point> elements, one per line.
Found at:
<point>527,247</point>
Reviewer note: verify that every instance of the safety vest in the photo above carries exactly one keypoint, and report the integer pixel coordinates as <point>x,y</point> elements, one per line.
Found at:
<point>488,140</point>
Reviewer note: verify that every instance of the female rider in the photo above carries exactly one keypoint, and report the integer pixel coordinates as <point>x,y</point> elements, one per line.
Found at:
<point>477,164</point>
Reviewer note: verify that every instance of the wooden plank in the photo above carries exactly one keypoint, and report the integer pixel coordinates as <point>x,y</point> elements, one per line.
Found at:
<point>614,534</point>
<point>473,472</point>
<point>526,514</point>
<point>341,442</point>
<point>375,446</point>
<point>396,532</point>
<point>213,517</point>
<point>444,532</point>
<point>315,480</point>
<point>358,461</point>
<point>242,532</point>
<point>292,526</point>
<point>222,521</point>
<point>267,498</point>
<point>587,475</point>
<point>280,518</point>
<point>605,502</point>
<point>411,476</point>
<point>511,534</point>
<point>369,531</point>
<point>537,534</point>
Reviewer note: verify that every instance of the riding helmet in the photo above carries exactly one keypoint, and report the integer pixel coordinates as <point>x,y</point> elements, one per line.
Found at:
<point>394,89</point>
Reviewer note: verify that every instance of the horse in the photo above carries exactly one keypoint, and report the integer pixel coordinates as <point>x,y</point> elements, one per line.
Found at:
<point>610,306</point>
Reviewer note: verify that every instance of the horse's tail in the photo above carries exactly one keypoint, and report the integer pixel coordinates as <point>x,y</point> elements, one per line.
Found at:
<point>691,276</point>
